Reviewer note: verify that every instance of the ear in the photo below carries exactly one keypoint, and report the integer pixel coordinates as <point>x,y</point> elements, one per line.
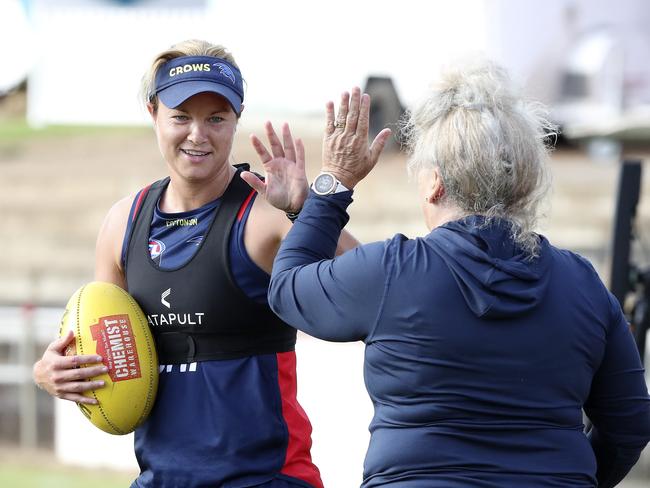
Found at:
<point>152,111</point>
<point>437,187</point>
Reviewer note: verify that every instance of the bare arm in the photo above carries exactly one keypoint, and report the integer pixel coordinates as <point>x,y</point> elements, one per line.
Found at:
<point>284,189</point>
<point>346,242</point>
<point>60,375</point>
<point>108,249</point>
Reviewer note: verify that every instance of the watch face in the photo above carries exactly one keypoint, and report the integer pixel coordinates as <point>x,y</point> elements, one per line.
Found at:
<point>324,183</point>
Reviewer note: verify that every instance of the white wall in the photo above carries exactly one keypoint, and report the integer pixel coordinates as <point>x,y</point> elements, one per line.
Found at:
<point>294,55</point>
<point>15,31</point>
<point>91,59</point>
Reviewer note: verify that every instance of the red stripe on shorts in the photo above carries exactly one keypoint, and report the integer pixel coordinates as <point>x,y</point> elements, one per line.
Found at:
<point>297,463</point>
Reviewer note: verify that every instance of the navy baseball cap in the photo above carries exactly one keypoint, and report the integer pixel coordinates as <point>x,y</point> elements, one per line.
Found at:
<point>180,78</point>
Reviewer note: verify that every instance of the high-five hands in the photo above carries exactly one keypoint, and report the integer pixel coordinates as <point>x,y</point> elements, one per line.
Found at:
<point>285,186</point>
<point>346,153</point>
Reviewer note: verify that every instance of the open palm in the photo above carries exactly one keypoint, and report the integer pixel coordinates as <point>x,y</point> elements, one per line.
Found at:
<point>285,183</point>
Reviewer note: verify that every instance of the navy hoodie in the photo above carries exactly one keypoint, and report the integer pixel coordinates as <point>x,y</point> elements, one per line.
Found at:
<point>479,360</point>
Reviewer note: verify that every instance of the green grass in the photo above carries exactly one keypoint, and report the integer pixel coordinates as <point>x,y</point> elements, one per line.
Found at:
<point>17,130</point>
<point>52,476</point>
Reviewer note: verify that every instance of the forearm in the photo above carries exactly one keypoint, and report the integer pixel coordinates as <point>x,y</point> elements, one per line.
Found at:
<point>309,289</point>
<point>316,235</point>
<point>613,462</point>
<point>618,404</point>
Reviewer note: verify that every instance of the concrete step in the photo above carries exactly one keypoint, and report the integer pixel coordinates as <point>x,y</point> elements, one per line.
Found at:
<point>55,192</point>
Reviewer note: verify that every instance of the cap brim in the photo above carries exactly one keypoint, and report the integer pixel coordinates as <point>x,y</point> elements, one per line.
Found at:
<point>176,94</point>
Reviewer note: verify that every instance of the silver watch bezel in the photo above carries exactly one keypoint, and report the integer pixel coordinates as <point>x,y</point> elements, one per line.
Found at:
<point>336,186</point>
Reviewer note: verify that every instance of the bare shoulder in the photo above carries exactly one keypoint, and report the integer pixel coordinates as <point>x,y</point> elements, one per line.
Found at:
<point>117,216</point>
<point>108,250</point>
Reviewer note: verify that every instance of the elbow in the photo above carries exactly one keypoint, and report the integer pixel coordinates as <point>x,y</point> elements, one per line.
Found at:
<point>646,428</point>
<point>274,294</point>
<point>643,424</point>
<point>639,434</point>
<point>628,431</point>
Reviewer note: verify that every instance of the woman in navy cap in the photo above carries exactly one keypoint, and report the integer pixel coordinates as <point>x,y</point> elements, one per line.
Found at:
<point>484,343</point>
<point>195,249</point>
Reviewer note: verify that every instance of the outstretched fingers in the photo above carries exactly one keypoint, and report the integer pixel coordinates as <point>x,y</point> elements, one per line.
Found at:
<point>300,155</point>
<point>274,141</point>
<point>254,182</point>
<point>378,144</point>
<point>260,149</point>
<point>287,140</point>
<point>352,116</point>
<point>364,116</point>
<point>329,118</point>
<point>344,107</point>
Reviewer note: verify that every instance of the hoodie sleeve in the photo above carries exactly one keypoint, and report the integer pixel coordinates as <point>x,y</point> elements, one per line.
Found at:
<point>618,404</point>
<point>336,299</point>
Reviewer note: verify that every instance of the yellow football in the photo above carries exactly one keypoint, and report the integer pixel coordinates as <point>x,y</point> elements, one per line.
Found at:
<point>108,322</point>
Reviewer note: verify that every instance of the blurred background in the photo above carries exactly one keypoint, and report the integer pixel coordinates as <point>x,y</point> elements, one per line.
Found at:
<point>74,138</point>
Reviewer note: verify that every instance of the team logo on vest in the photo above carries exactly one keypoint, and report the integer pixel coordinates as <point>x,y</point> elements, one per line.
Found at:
<point>225,71</point>
<point>173,319</point>
<point>163,297</point>
<point>195,240</point>
<point>156,248</point>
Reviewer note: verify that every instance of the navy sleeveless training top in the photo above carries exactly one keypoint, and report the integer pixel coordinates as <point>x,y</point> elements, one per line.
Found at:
<point>232,422</point>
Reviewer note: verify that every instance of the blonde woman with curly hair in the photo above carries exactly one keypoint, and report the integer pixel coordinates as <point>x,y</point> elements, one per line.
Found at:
<point>484,342</point>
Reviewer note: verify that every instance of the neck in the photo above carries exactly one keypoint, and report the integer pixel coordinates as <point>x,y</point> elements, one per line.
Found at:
<point>442,215</point>
<point>184,195</point>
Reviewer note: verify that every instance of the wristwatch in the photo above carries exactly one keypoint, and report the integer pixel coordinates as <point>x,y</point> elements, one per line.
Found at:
<point>327,184</point>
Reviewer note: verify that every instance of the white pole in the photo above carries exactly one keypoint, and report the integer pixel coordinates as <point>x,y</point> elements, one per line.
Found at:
<point>28,409</point>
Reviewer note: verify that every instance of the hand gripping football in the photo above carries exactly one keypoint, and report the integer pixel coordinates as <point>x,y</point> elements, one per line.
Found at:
<point>107,321</point>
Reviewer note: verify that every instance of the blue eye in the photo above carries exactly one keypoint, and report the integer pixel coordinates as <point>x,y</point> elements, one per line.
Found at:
<point>180,118</point>
<point>216,119</point>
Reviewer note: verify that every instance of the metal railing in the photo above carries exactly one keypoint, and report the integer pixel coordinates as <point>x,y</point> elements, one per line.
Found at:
<point>24,331</point>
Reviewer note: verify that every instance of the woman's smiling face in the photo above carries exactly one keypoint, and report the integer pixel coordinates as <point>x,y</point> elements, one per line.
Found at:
<point>196,137</point>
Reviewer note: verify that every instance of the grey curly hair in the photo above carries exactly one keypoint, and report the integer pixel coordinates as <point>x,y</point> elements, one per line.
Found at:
<point>488,143</point>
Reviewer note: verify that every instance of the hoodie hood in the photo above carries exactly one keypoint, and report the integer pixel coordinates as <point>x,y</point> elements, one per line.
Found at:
<point>497,279</point>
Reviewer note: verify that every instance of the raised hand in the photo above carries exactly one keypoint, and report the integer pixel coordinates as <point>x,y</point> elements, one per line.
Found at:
<point>61,376</point>
<point>285,185</point>
<point>346,153</point>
